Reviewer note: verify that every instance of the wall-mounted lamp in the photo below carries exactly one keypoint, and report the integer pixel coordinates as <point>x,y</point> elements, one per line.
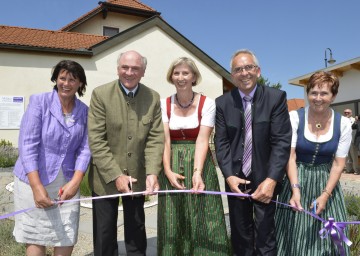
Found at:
<point>331,60</point>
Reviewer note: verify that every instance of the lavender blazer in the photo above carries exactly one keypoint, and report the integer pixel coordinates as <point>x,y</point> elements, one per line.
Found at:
<point>47,144</point>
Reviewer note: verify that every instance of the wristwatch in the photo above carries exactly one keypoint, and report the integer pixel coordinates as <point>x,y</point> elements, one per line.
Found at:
<point>296,186</point>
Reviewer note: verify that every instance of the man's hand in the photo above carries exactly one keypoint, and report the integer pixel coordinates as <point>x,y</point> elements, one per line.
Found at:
<point>152,184</point>
<point>234,183</point>
<point>123,183</point>
<point>264,191</point>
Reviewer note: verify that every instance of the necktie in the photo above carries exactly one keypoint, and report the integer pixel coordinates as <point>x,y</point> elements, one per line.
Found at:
<point>248,137</point>
<point>131,95</point>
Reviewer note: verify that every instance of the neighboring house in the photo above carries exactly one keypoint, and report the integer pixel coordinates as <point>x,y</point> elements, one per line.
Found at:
<point>349,93</point>
<point>95,40</point>
<point>295,104</point>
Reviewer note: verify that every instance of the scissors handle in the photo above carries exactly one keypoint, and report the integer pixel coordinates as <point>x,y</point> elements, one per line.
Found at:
<point>314,207</point>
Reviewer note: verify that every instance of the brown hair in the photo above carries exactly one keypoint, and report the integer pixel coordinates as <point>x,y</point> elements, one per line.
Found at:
<point>75,69</point>
<point>322,77</point>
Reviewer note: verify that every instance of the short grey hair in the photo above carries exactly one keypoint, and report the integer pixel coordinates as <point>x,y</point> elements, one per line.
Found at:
<point>244,51</point>
<point>143,59</point>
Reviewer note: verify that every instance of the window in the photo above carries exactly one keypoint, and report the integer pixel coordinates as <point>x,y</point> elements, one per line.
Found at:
<point>110,31</point>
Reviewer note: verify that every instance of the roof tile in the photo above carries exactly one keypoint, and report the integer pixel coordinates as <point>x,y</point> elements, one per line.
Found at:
<point>295,104</point>
<point>47,38</point>
<point>132,3</point>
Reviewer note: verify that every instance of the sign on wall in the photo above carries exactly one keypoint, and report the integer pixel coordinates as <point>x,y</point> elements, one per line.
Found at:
<point>11,111</point>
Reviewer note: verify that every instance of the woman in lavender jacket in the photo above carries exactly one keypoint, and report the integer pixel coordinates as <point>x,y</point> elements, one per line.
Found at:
<point>53,157</point>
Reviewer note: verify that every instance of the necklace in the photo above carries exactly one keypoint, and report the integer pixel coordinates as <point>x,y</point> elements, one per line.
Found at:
<point>188,105</point>
<point>318,124</point>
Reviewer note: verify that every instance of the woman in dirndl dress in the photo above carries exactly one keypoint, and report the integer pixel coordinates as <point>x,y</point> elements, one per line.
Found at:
<point>189,223</point>
<point>320,142</point>
<point>53,158</point>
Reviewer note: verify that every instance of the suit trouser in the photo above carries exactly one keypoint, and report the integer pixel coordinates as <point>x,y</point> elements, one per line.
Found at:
<point>105,215</point>
<point>352,159</point>
<point>252,227</point>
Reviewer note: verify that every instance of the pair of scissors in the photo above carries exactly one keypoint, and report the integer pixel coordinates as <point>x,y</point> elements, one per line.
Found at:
<point>130,183</point>
<point>314,207</point>
<point>56,200</point>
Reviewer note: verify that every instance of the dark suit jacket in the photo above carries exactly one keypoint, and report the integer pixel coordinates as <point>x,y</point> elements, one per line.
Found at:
<point>271,134</point>
<point>356,126</point>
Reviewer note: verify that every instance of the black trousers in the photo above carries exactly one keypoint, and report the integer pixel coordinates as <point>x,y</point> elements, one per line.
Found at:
<point>252,226</point>
<point>105,215</point>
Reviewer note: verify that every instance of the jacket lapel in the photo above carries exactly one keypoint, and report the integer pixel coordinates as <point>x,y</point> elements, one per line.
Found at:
<point>55,109</point>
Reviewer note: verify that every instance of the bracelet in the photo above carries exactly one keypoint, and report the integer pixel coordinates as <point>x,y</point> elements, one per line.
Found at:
<point>196,170</point>
<point>327,192</point>
<point>296,186</point>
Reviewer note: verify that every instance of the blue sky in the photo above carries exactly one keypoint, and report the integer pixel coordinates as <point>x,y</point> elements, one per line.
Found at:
<point>289,37</point>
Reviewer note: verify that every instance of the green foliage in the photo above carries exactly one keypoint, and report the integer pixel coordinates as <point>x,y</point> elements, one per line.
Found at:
<point>8,245</point>
<point>265,82</point>
<point>354,236</point>
<point>352,203</point>
<point>84,185</point>
<point>8,154</point>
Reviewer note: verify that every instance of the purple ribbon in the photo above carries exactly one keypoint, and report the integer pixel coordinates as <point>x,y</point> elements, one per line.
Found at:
<point>57,202</point>
<point>335,229</point>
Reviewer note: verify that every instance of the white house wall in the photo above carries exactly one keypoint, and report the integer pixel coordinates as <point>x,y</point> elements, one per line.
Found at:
<point>349,86</point>
<point>95,24</point>
<point>25,73</point>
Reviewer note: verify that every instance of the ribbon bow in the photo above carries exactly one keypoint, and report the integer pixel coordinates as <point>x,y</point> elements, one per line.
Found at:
<point>336,231</point>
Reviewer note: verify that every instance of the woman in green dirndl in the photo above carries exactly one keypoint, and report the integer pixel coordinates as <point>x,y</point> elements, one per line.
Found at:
<point>189,223</point>
<point>320,142</point>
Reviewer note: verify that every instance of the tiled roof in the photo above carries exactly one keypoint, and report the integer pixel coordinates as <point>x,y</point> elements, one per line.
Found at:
<point>132,4</point>
<point>19,36</point>
<point>295,104</point>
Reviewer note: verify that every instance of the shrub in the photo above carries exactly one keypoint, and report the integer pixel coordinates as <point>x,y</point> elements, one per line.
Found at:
<point>354,236</point>
<point>352,203</point>
<point>84,185</point>
<point>8,154</point>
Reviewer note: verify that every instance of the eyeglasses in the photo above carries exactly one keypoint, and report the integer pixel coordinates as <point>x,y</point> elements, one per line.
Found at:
<point>247,68</point>
<point>347,113</point>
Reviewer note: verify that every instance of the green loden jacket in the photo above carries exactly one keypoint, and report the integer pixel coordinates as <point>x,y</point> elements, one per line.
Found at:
<point>126,136</point>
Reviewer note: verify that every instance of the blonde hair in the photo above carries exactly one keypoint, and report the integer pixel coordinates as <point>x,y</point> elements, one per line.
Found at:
<point>189,62</point>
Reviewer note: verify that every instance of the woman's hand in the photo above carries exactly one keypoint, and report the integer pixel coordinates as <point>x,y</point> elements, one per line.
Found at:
<point>176,180</point>
<point>41,197</point>
<point>320,203</point>
<point>70,189</point>
<point>295,200</point>
<point>197,181</point>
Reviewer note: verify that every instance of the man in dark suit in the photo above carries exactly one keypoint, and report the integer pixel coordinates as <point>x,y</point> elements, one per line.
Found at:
<point>126,138</point>
<point>252,221</point>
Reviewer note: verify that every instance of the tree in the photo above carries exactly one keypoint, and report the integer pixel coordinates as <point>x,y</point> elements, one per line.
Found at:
<point>265,82</point>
